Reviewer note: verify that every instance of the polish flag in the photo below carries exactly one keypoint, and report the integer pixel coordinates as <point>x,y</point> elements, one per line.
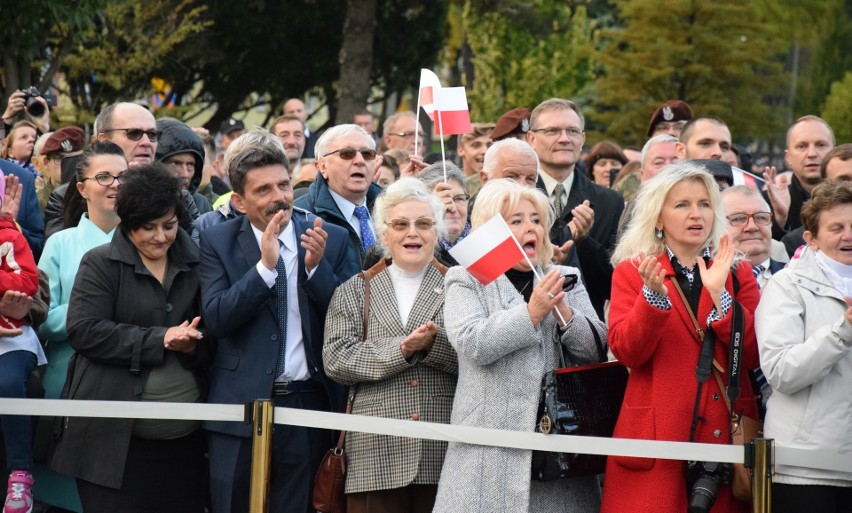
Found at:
<point>742,177</point>
<point>488,251</point>
<point>430,88</point>
<point>453,115</point>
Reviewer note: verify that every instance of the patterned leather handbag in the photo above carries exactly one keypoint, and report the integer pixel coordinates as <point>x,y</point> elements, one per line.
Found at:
<point>583,400</point>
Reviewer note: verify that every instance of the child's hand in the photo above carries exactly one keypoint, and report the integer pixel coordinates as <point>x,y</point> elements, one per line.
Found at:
<point>15,305</point>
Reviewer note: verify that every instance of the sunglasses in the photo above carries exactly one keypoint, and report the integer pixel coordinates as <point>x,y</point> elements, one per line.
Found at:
<point>570,281</point>
<point>349,153</point>
<point>134,134</point>
<point>401,225</point>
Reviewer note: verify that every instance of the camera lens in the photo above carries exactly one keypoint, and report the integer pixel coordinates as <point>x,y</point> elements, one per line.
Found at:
<point>35,107</point>
<point>703,495</point>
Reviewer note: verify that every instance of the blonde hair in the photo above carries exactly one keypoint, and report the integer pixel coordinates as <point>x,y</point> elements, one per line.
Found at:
<point>639,238</point>
<point>502,196</point>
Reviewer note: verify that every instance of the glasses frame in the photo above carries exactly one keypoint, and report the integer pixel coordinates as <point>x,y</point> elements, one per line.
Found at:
<point>571,132</point>
<point>141,132</point>
<point>342,152</point>
<point>101,174</point>
<point>747,217</point>
<point>461,198</point>
<point>570,282</point>
<point>404,135</point>
<point>403,225</point>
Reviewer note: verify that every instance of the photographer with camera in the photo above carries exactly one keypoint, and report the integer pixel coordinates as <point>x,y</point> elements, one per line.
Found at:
<point>34,104</point>
<point>675,278</point>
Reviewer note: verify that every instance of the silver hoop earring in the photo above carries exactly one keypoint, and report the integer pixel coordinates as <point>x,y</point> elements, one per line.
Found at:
<point>658,233</point>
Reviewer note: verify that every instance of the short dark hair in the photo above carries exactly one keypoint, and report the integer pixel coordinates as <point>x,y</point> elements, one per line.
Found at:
<point>147,192</point>
<point>97,148</point>
<point>689,127</point>
<point>73,204</point>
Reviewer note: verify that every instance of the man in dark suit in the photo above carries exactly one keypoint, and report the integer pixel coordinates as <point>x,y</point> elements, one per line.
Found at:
<point>590,211</point>
<point>265,296</point>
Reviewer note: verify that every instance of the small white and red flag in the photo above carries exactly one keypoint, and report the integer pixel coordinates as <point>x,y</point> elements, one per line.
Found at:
<point>453,116</point>
<point>488,251</point>
<point>742,177</point>
<point>430,88</point>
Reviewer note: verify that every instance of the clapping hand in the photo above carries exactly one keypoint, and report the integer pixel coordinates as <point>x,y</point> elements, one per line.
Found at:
<point>420,339</point>
<point>714,278</point>
<point>183,338</point>
<point>652,274</point>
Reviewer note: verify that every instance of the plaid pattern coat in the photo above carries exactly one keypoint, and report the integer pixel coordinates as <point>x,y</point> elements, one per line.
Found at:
<point>502,359</point>
<point>387,384</point>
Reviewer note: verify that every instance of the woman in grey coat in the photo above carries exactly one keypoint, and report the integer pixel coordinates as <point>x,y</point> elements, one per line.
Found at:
<point>505,336</point>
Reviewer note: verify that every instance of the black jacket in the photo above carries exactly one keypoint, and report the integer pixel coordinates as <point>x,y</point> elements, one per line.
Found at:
<point>798,197</point>
<point>595,250</point>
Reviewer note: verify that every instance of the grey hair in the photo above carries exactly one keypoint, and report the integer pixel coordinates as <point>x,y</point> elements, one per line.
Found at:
<point>639,237</point>
<point>39,144</point>
<point>256,148</point>
<point>103,121</point>
<point>556,104</point>
<point>323,144</point>
<point>433,174</point>
<point>746,191</point>
<point>494,155</point>
<point>390,123</point>
<point>405,189</point>
<point>653,141</point>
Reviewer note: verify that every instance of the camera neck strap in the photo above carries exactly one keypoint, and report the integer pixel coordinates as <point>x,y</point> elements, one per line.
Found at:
<point>707,363</point>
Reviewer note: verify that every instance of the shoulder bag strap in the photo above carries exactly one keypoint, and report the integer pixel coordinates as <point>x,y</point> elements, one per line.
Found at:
<point>341,440</point>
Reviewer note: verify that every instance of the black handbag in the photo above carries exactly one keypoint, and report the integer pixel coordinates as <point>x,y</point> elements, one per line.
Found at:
<point>582,400</point>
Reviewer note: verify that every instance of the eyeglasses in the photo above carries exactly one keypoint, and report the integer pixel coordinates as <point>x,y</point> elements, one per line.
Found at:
<point>349,153</point>
<point>573,133</point>
<point>105,179</point>
<point>401,225</point>
<point>570,281</point>
<point>760,219</point>
<point>461,198</point>
<point>664,126</point>
<point>134,134</point>
<point>404,135</point>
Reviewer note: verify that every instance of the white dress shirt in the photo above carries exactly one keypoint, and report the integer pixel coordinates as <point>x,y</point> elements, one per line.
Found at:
<point>347,208</point>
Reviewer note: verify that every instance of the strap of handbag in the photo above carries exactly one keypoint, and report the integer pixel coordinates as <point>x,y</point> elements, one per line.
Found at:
<point>563,355</point>
<point>705,358</point>
<point>367,276</point>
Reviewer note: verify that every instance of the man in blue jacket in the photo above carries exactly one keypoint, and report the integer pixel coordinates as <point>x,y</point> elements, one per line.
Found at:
<point>343,193</point>
<point>29,214</point>
<point>266,281</point>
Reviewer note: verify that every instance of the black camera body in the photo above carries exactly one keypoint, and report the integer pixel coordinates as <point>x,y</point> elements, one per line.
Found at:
<point>34,107</point>
<point>703,479</point>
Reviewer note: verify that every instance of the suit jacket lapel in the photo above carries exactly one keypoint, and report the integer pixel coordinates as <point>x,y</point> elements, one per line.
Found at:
<point>383,305</point>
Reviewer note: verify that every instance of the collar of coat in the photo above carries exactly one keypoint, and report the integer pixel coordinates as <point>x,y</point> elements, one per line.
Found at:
<point>182,253</point>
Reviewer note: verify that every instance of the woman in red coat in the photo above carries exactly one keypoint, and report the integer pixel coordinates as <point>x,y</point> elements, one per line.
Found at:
<point>675,235</point>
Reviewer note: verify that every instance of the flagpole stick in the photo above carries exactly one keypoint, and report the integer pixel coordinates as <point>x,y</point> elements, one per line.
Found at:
<point>417,119</point>
<point>537,276</point>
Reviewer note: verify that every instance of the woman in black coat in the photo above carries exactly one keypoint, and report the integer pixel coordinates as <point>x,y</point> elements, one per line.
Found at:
<point>133,323</point>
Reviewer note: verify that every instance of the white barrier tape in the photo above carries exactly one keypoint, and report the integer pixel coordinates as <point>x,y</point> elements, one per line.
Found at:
<point>123,409</point>
<point>480,436</point>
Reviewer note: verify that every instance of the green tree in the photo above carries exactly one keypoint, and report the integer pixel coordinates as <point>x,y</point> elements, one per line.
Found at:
<point>519,53</point>
<point>720,57</point>
<point>838,109</point>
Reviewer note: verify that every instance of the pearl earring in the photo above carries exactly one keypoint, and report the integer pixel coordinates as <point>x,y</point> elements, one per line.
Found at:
<point>659,233</point>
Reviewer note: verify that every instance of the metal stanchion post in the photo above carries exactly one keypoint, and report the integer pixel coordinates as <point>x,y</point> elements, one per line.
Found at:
<point>261,455</point>
<point>764,466</point>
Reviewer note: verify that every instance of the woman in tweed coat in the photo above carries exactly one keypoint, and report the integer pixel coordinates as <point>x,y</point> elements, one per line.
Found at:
<point>405,368</point>
<point>505,335</point>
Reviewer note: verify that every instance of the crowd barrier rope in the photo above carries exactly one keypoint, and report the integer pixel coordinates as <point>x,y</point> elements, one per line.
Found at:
<point>763,454</point>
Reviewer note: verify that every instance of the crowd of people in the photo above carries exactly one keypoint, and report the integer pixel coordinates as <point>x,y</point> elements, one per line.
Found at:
<point>161,263</point>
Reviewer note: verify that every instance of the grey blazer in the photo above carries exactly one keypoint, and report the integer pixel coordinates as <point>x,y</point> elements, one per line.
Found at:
<point>388,385</point>
<point>502,358</point>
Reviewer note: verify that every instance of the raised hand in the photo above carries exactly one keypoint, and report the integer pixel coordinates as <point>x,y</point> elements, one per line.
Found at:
<point>653,275</point>
<point>313,240</point>
<point>269,248</point>
<point>779,197</point>
<point>584,218</point>
<point>714,278</point>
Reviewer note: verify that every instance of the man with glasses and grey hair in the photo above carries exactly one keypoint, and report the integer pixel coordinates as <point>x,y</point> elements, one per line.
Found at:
<point>343,192</point>
<point>398,132</point>
<point>591,212</point>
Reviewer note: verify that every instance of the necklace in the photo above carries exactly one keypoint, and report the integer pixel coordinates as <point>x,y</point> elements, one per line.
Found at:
<point>521,292</point>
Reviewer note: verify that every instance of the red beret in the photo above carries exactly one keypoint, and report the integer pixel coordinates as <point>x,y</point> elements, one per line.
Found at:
<point>516,121</point>
<point>672,110</point>
<point>65,140</point>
